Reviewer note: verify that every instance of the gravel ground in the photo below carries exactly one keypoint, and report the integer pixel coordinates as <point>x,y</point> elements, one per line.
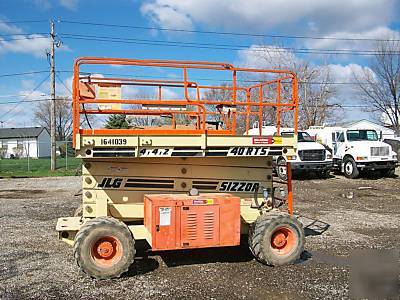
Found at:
<point>340,215</point>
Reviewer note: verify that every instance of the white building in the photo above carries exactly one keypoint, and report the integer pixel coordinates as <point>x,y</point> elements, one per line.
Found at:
<point>23,142</point>
<point>383,132</point>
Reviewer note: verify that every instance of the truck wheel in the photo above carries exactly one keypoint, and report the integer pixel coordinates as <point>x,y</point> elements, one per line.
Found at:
<point>78,211</point>
<point>276,239</point>
<point>324,174</point>
<point>281,169</point>
<point>104,248</point>
<point>350,168</point>
<point>389,172</point>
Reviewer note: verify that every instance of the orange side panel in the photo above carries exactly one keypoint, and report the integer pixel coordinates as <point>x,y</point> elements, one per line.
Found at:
<point>179,221</point>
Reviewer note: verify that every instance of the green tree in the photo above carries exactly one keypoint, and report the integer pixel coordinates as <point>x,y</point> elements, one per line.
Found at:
<point>117,121</point>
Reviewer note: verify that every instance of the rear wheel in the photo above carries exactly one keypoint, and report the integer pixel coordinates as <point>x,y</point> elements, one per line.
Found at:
<point>276,239</point>
<point>350,168</point>
<point>389,172</point>
<point>281,169</point>
<point>104,248</point>
<point>324,174</point>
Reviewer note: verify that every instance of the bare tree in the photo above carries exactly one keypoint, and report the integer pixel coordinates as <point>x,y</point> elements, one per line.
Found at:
<point>140,121</point>
<point>63,116</point>
<point>379,86</point>
<point>316,95</point>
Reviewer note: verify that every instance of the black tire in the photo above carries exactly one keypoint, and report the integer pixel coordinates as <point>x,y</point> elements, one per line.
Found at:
<point>324,174</point>
<point>389,172</point>
<point>281,169</point>
<point>263,233</point>
<point>350,169</point>
<point>104,248</point>
<point>79,211</point>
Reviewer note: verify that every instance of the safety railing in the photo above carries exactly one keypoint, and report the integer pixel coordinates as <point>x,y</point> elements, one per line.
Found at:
<point>207,109</point>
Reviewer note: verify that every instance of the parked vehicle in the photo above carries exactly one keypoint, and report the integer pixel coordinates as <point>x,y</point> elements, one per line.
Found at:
<point>355,150</point>
<point>395,143</point>
<point>310,156</point>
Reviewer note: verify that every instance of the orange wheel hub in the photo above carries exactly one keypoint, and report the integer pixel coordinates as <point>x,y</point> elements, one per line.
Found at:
<point>106,251</point>
<point>283,240</point>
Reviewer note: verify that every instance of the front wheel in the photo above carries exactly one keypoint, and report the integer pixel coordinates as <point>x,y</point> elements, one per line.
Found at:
<point>104,248</point>
<point>350,168</point>
<point>276,239</point>
<point>324,174</point>
<point>389,172</point>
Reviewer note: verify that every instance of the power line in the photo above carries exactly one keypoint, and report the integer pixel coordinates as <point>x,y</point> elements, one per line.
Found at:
<point>24,21</point>
<point>23,73</point>
<point>23,34</point>
<point>222,45</point>
<point>25,101</point>
<point>69,100</point>
<point>227,32</point>
<point>24,38</point>
<point>26,96</point>
<point>225,47</point>
<point>62,82</point>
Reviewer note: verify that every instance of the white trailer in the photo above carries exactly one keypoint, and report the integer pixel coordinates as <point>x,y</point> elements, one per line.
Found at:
<point>356,149</point>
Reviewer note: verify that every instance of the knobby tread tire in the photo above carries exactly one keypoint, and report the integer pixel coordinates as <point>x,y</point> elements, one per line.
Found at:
<point>258,229</point>
<point>115,225</point>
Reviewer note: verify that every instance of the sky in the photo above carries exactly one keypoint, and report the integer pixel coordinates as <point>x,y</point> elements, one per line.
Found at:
<point>23,44</point>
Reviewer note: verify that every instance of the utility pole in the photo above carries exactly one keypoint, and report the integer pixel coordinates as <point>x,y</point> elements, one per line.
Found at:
<point>53,98</point>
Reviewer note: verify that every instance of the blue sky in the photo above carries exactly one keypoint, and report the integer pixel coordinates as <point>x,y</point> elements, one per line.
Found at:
<point>372,19</point>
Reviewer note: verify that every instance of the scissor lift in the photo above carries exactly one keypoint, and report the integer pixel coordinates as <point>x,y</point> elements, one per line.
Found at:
<point>178,183</point>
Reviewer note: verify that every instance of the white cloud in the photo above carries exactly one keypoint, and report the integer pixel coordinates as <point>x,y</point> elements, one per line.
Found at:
<point>260,15</point>
<point>380,32</point>
<point>42,4</point>
<point>34,44</point>
<point>346,73</point>
<point>70,4</point>
<point>32,95</point>
<point>169,94</point>
<point>9,28</point>
<point>167,16</point>
<point>129,91</point>
<point>266,56</point>
<point>346,93</point>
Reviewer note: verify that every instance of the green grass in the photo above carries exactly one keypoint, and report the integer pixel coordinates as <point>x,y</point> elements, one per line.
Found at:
<point>38,167</point>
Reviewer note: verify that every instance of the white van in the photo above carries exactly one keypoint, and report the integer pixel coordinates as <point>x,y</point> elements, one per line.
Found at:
<point>355,150</point>
<point>310,156</point>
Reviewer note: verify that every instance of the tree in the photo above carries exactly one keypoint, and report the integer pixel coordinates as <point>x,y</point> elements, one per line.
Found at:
<point>379,86</point>
<point>316,95</point>
<point>117,121</point>
<point>63,116</point>
<point>140,121</point>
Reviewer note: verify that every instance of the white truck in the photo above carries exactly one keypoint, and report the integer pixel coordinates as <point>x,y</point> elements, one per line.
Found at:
<point>356,150</point>
<point>310,156</point>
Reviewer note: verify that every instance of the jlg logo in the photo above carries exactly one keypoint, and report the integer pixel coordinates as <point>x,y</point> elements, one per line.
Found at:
<point>109,183</point>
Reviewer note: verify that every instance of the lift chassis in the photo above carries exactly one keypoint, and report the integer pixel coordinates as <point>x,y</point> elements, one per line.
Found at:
<point>181,187</point>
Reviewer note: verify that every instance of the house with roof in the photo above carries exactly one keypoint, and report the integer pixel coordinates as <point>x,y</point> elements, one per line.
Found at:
<point>24,142</point>
<point>383,131</point>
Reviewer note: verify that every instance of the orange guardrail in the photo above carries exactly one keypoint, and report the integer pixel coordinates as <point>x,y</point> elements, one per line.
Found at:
<point>248,100</point>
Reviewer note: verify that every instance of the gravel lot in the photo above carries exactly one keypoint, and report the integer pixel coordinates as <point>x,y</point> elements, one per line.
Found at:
<point>350,214</point>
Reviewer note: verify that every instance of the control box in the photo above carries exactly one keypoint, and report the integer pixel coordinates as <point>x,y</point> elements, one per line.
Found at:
<point>180,221</point>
